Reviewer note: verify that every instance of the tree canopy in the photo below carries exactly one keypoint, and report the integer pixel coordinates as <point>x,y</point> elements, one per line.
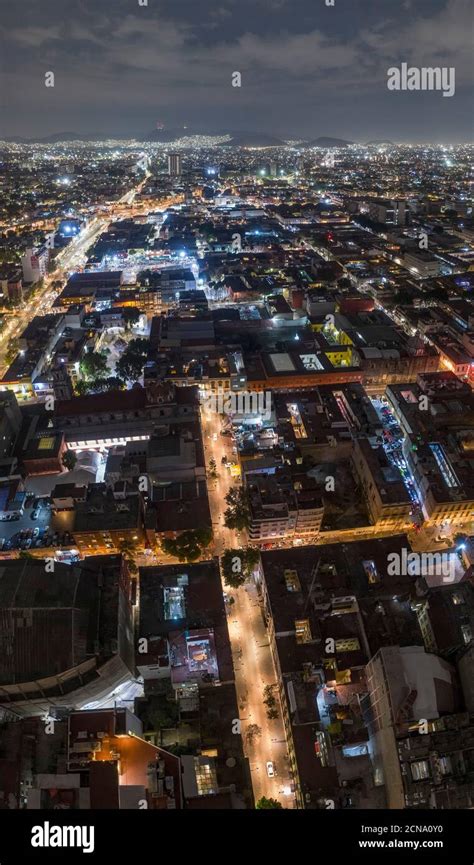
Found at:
<point>69,460</point>
<point>130,366</point>
<point>237,515</point>
<point>237,565</point>
<point>94,365</point>
<point>188,546</point>
<point>265,803</point>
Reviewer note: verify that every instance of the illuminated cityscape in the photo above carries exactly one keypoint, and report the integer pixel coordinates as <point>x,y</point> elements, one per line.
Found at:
<point>237,469</point>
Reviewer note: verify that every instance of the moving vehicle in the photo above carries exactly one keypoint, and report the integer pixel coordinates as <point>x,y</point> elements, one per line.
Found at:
<point>270,769</point>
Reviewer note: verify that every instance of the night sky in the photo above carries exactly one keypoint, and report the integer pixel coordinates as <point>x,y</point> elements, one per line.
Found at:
<point>307,69</point>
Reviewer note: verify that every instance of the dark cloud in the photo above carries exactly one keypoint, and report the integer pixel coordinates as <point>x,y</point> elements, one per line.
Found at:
<point>307,69</point>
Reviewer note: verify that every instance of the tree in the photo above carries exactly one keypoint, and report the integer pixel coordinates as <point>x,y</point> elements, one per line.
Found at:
<point>94,365</point>
<point>272,713</point>
<point>213,469</point>
<point>237,565</point>
<point>69,460</point>
<point>98,385</point>
<point>268,696</point>
<point>264,804</point>
<point>12,350</point>
<point>128,548</point>
<point>253,730</point>
<point>237,515</point>
<point>130,366</point>
<point>81,387</point>
<point>188,546</point>
<point>203,536</point>
<point>131,316</point>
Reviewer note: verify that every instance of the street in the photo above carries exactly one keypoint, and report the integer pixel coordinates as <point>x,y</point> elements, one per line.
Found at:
<point>69,259</point>
<point>253,663</point>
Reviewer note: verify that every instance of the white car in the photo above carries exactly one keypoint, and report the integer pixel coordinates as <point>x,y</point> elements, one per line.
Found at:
<point>270,769</point>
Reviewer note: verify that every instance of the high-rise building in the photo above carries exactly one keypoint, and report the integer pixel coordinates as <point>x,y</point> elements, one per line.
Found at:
<point>414,704</point>
<point>35,264</point>
<point>388,211</point>
<point>175,164</point>
<point>10,422</point>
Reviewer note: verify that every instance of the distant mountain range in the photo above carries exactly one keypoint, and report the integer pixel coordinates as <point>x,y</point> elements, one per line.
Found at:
<point>329,142</point>
<point>234,138</point>
<point>57,138</point>
<point>168,136</point>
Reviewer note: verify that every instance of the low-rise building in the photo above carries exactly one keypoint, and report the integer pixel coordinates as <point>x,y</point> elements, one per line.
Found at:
<point>386,495</point>
<point>283,506</point>
<point>106,520</point>
<point>67,633</point>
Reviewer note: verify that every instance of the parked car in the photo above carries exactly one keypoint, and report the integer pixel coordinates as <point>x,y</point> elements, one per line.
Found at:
<point>35,514</point>
<point>270,769</point>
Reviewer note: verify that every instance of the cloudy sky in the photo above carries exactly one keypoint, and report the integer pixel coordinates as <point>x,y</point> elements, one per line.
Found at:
<point>307,69</point>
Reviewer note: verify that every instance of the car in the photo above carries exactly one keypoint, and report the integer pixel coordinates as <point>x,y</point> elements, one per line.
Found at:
<point>270,769</point>
<point>27,544</point>
<point>35,514</point>
<point>36,532</point>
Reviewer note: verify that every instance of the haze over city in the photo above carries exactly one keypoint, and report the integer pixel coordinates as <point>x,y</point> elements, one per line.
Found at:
<point>307,69</point>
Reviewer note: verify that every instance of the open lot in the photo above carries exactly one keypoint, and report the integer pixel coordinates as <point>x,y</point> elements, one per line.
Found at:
<point>26,533</point>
